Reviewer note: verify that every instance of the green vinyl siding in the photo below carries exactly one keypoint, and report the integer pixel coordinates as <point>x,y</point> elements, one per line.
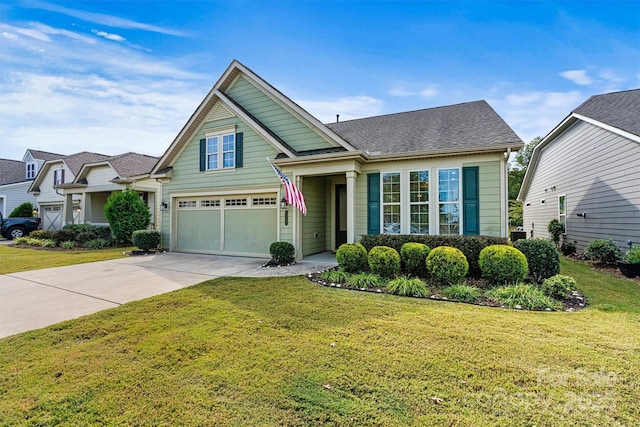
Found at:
<point>289,128</point>
<point>314,223</point>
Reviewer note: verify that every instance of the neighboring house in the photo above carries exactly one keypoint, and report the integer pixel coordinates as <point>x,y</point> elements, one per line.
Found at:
<point>434,171</point>
<point>16,177</point>
<point>586,173</point>
<point>95,181</point>
<point>56,209</point>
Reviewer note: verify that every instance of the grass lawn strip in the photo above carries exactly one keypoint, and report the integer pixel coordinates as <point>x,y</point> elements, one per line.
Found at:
<point>280,351</point>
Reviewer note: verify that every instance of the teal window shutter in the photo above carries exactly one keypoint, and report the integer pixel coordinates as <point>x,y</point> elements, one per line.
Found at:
<point>373,203</point>
<point>471,201</point>
<point>203,155</point>
<point>239,149</point>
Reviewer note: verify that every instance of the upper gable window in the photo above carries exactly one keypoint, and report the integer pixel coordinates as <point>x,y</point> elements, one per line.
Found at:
<point>58,177</point>
<point>221,151</point>
<point>31,170</point>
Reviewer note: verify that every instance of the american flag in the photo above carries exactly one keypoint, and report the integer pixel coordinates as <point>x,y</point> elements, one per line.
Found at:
<point>292,195</point>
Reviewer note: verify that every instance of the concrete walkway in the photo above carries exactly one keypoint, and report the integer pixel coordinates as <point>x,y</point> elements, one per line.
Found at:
<point>38,298</point>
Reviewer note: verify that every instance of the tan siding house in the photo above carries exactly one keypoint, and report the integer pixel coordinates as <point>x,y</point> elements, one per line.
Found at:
<point>586,173</point>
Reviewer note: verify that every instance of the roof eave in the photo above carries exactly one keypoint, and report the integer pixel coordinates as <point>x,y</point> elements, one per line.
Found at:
<point>441,153</point>
<point>359,156</point>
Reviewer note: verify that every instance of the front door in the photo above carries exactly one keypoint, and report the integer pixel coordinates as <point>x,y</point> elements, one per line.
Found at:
<point>341,214</point>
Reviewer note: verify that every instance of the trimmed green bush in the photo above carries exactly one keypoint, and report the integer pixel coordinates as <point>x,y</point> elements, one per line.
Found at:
<point>42,234</point>
<point>384,261</point>
<point>469,245</point>
<point>84,237</point>
<point>364,280</point>
<point>542,257</point>
<point>413,258</point>
<point>407,287</point>
<point>146,239</point>
<point>63,235</point>
<point>558,286</point>
<point>555,229</point>
<point>446,265</point>
<point>96,243</point>
<point>503,265</point>
<point>604,251</point>
<point>527,297</point>
<point>126,213</point>
<point>462,292</point>
<point>334,276</point>
<point>632,256</point>
<point>568,248</point>
<point>23,210</point>
<point>282,252</point>
<point>352,257</point>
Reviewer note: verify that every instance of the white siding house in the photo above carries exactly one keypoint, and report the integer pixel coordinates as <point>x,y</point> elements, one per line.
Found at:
<point>586,173</point>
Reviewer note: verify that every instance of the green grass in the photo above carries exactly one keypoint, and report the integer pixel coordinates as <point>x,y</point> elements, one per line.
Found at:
<point>286,352</point>
<point>13,260</point>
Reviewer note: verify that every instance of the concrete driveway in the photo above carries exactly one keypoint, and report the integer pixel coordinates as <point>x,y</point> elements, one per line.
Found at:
<point>38,298</point>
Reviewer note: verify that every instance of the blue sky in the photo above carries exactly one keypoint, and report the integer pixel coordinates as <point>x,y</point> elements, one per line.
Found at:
<point>119,76</point>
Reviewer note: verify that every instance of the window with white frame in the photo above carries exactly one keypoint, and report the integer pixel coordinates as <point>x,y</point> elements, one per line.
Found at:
<point>449,201</point>
<point>562,211</point>
<point>31,170</point>
<point>58,177</point>
<point>391,203</point>
<point>419,202</point>
<point>221,151</point>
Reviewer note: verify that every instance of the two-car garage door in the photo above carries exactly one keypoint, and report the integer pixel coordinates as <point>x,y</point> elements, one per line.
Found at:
<point>232,225</point>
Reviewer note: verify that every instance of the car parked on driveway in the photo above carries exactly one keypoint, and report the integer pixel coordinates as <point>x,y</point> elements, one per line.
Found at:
<point>12,228</point>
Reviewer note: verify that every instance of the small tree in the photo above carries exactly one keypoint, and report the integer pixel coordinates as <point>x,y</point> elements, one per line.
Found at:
<point>126,213</point>
<point>23,210</point>
<point>555,228</point>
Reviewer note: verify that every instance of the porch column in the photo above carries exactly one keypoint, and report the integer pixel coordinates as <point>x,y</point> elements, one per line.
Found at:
<point>351,206</point>
<point>68,209</point>
<point>86,206</point>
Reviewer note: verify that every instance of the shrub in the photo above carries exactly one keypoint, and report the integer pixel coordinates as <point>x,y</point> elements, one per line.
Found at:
<point>384,261</point>
<point>502,264</point>
<point>146,239</point>
<point>47,243</point>
<point>447,265</point>
<point>23,210</point>
<point>96,243</point>
<point>604,251</point>
<point>528,297</point>
<point>407,287</point>
<point>334,276</point>
<point>633,255</point>
<point>126,213</point>
<point>469,245</point>
<point>68,244</point>
<point>42,234</point>
<point>555,229</point>
<point>33,242</point>
<point>413,258</point>
<point>558,286</point>
<point>21,241</point>
<point>542,257</point>
<point>82,238</point>
<point>352,257</point>
<point>462,292</point>
<point>568,248</point>
<point>364,280</point>
<point>282,252</point>
<point>63,235</point>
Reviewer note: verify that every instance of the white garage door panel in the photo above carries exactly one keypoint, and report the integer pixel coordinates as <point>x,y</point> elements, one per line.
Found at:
<point>52,217</point>
<point>199,231</point>
<point>250,230</point>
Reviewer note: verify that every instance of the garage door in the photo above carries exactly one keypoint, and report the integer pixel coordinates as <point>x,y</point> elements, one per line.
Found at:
<point>230,225</point>
<point>52,217</point>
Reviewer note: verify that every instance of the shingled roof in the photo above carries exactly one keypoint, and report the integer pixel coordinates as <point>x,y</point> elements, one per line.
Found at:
<point>618,109</point>
<point>467,126</point>
<point>75,161</point>
<point>12,171</point>
<point>45,155</point>
<point>128,165</point>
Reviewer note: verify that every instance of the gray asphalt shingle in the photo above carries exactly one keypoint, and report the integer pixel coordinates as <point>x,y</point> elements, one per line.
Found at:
<point>618,109</point>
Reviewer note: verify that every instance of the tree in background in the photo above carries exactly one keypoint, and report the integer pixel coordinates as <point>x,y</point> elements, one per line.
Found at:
<point>126,213</point>
<point>23,210</point>
<point>515,177</point>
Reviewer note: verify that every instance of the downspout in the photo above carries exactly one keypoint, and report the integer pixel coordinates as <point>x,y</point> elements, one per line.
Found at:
<point>504,171</point>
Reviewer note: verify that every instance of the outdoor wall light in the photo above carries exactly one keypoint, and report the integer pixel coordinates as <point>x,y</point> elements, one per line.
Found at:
<point>78,209</point>
<point>164,206</point>
<point>36,212</point>
<point>283,203</point>
<point>582,215</point>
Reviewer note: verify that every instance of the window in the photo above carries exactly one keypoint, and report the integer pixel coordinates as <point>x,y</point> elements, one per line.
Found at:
<point>58,176</point>
<point>187,204</point>
<point>209,203</point>
<point>221,151</point>
<point>264,201</point>
<point>31,170</point>
<point>562,211</point>
<point>419,202</point>
<point>449,201</point>
<point>235,202</point>
<point>391,203</point>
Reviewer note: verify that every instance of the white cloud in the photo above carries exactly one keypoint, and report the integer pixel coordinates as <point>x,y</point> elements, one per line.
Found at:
<point>109,36</point>
<point>578,77</point>
<point>425,92</point>
<point>352,107</point>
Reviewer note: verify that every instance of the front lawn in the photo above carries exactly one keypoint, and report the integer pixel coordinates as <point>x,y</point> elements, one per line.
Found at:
<point>13,260</point>
<point>283,351</point>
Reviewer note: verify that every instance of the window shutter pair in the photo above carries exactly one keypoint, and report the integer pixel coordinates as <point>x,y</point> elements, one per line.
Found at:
<point>203,152</point>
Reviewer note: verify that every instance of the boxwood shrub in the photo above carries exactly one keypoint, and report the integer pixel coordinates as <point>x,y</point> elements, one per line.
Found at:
<point>146,239</point>
<point>282,252</point>
<point>604,251</point>
<point>542,257</point>
<point>413,258</point>
<point>469,245</point>
<point>352,257</point>
<point>447,266</point>
<point>384,261</point>
<point>503,265</point>
<point>558,286</point>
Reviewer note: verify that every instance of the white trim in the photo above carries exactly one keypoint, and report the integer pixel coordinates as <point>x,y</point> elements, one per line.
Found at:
<point>565,211</point>
<point>610,128</point>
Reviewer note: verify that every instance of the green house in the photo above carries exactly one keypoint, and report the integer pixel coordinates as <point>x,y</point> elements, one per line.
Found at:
<point>433,171</point>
